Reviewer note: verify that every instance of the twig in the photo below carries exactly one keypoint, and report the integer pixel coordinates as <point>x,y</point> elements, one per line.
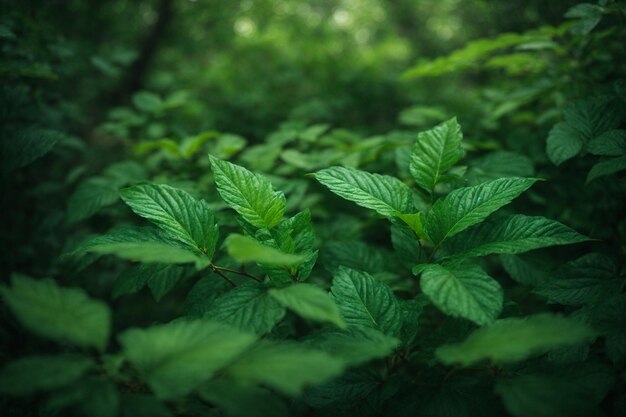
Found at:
<point>234,271</point>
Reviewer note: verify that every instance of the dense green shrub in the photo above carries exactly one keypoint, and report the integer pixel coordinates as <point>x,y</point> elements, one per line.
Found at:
<point>167,265</point>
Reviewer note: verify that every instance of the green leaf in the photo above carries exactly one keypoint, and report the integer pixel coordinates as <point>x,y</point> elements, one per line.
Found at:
<point>32,374</point>
<point>384,194</point>
<point>94,396</point>
<point>435,151</point>
<point>342,393</point>
<point>247,249</point>
<point>355,254</point>
<point>177,213</point>
<point>251,195</point>
<point>545,396</point>
<point>405,244</point>
<point>354,345</point>
<point>514,234</point>
<point>160,278</point>
<point>164,278</point>
<point>586,15</point>
<point>248,307</point>
<point>468,206</point>
<point>498,164</point>
<point>564,142</point>
<point>21,147</point>
<point>365,301</point>
<point>464,290</point>
<point>610,143</point>
<point>243,400</point>
<point>607,167</point>
<point>206,290</point>
<point>286,367</point>
<point>515,339</point>
<point>89,197</point>
<point>416,222</point>
<point>310,302</point>
<point>144,244</point>
<point>175,358</point>
<point>588,280</point>
<point>61,314</point>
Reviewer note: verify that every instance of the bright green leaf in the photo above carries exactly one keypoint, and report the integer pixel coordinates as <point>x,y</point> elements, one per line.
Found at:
<point>435,151</point>
<point>247,249</point>
<point>468,206</point>
<point>514,234</point>
<point>251,195</point>
<point>384,194</point>
<point>177,213</point>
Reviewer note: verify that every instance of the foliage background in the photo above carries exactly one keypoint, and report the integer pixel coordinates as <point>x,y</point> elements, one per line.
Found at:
<point>98,96</point>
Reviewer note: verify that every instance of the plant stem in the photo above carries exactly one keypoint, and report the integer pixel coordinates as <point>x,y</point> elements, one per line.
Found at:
<point>220,270</point>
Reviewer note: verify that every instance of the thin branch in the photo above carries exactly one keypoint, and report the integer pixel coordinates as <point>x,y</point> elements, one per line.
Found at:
<point>234,271</point>
<point>221,274</point>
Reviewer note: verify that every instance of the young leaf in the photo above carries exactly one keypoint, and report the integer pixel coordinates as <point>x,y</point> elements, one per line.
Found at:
<point>384,194</point>
<point>467,206</point>
<point>247,249</point>
<point>248,307</point>
<point>366,302</point>
<point>175,358</point>
<point>286,367</point>
<point>61,314</point>
<point>515,339</point>
<point>514,234</point>
<point>251,195</point>
<point>32,374</point>
<point>463,290</point>
<point>435,151</point>
<point>177,213</point>
<point>309,301</point>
